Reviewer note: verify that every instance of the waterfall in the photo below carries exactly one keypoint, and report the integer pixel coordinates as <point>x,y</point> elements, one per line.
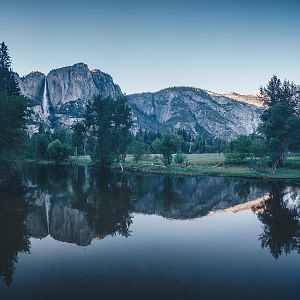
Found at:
<point>45,101</point>
<point>47,207</point>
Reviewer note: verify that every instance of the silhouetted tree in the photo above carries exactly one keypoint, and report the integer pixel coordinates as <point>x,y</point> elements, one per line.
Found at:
<point>8,84</point>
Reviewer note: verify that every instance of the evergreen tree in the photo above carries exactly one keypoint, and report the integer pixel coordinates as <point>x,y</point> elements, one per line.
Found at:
<point>39,143</point>
<point>108,124</point>
<point>280,128</point>
<point>167,145</point>
<point>280,120</point>
<point>277,92</point>
<point>8,84</point>
<point>122,120</point>
<point>12,114</point>
<point>138,149</point>
<point>12,133</point>
<point>78,138</point>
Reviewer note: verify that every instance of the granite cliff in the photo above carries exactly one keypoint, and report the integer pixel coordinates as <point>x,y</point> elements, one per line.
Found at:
<point>59,98</point>
<point>195,110</point>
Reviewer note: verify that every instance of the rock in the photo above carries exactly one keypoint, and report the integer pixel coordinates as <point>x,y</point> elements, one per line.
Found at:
<point>68,89</point>
<point>202,112</point>
<point>195,110</point>
<point>32,85</point>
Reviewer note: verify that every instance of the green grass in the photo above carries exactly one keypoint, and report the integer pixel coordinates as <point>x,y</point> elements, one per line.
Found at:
<point>80,160</point>
<point>204,164</point>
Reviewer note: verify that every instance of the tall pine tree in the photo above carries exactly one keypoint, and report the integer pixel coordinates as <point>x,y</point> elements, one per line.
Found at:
<point>280,124</point>
<point>13,112</point>
<point>8,84</point>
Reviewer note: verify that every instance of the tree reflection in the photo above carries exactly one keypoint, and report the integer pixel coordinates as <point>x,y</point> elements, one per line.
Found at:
<point>281,226</point>
<point>13,234</point>
<point>168,195</point>
<point>107,204</point>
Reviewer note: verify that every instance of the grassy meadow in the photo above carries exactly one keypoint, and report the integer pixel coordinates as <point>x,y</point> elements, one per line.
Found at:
<point>204,164</point>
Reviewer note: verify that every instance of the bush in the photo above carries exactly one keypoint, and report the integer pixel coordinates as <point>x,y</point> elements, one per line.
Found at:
<point>167,145</point>
<point>138,150</point>
<point>239,149</point>
<point>180,158</point>
<point>57,151</point>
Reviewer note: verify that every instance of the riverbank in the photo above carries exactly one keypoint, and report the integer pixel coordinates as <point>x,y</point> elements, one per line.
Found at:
<point>203,164</point>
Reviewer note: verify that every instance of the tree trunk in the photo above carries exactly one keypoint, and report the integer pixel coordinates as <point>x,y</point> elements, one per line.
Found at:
<point>275,165</point>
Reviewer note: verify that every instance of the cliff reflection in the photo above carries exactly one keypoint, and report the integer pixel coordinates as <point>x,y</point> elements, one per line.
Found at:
<point>75,205</point>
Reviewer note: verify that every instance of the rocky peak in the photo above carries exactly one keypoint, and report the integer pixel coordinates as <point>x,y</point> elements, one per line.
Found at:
<point>70,83</point>
<point>32,85</point>
<point>65,91</point>
<point>195,110</point>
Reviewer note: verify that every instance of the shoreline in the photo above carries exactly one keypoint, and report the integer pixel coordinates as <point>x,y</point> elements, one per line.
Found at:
<point>217,173</point>
<point>192,170</point>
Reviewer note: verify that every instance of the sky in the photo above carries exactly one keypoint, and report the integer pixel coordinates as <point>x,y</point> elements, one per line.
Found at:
<point>217,45</point>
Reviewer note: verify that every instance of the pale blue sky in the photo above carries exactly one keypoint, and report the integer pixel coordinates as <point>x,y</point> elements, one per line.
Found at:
<point>148,45</point>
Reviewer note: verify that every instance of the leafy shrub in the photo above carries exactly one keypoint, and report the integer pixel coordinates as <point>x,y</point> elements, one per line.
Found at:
<point>180,158</point>
<point>57,151</point>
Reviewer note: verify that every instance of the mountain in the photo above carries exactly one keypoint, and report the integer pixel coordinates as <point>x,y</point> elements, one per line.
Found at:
<point>250,99</point>
<point>59,98</point>
<point>195,110</point>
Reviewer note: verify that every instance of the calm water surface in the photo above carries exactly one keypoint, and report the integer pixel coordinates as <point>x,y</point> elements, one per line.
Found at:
<point>74,233</point>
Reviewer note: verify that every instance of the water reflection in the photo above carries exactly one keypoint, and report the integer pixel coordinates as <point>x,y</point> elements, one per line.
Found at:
<point>106,203</point>
<point>77,205</point>
<point>279,214</point>
<point>13,234</point>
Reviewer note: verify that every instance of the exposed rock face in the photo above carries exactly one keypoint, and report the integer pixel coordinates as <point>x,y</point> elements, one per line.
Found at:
<point>78,83</point>
<point>195,110</point>
<point>69,225</point>
<point>32,85</point>
<point>67,90</point>
<point>175,198</point>
<point>80,209</point>
<point>251,98</point>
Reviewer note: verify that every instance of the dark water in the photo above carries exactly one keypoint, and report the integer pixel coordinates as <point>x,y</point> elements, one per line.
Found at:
<point>74,233</point>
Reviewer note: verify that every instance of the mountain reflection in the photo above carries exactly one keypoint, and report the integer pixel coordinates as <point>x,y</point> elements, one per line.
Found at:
<point>76,205</point>
<point>279,215</point>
